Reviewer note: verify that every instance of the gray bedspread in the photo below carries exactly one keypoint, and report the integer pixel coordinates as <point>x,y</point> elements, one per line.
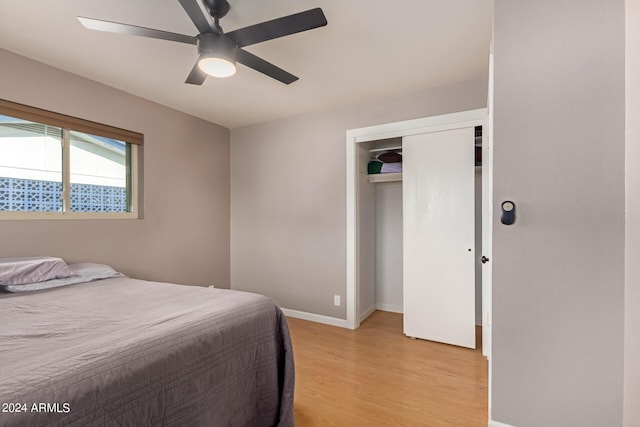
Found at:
<point>125,352</point>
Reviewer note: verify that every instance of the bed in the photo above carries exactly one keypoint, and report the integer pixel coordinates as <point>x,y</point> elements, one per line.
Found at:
<point>128,352</point>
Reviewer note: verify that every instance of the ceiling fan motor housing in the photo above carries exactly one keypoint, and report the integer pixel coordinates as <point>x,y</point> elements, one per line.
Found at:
<point>210,44</point>
<point>217,8</point>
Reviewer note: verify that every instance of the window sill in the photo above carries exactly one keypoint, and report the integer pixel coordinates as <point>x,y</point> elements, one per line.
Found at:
<point>19,216</point>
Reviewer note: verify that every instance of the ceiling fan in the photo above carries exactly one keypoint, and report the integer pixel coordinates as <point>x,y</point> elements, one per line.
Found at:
<point>218,51</point>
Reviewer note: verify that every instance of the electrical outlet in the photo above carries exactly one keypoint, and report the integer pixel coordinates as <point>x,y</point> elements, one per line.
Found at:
<point>336,300</point>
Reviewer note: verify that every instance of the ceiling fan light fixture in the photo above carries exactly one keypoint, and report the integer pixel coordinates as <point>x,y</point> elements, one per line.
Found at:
<point>217,55</point>
<point>217,67</point>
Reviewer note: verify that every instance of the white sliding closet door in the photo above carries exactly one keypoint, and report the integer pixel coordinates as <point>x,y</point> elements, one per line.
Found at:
<point>439,237</point>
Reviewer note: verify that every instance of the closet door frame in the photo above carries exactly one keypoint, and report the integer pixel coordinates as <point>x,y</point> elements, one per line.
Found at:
<point>444,122</point>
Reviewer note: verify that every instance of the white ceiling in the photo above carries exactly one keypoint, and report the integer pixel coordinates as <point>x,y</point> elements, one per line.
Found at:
<point>370,49</point>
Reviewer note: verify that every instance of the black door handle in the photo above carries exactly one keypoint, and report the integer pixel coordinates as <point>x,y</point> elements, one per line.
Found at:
<point>484,259</point>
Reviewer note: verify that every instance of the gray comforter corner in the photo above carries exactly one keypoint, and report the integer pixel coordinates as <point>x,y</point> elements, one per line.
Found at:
<point>125,352</point>
<point>287,416</point>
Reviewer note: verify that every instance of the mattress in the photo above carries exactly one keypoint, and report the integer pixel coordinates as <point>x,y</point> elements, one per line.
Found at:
<point>128,352</point>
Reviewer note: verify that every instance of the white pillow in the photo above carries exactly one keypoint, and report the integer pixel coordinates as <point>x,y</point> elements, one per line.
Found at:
<point>82,273</point>
<point>92,271</point>
<point>22,271</point>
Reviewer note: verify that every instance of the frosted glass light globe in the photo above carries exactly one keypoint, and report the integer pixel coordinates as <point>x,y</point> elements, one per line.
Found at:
<point>217,67</point>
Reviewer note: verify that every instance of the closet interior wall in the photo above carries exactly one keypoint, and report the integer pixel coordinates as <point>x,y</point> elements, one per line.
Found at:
<point>380,236</point>
<point>366,237</point>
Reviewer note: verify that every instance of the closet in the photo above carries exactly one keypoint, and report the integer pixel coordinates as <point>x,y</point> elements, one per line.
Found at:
<point>418,232</point>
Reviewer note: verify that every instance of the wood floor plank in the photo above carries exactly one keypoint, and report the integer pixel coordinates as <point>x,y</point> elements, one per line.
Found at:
<point>375,376</point>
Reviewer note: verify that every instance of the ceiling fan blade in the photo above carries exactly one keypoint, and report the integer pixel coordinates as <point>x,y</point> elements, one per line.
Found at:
<point>280,27</point>
<point>267,68</point>
<point>199,15</point>
<point>115,27</point>
<point>196,76</point>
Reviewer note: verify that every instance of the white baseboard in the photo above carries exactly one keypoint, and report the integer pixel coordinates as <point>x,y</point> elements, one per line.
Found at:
<point>493,423</point>
<point>368,312</point>
<point>390,307</point>
<point>319,318</point>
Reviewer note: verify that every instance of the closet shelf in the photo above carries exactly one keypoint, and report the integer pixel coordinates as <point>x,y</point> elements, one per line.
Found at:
<point>385,177</point>
<point>380,150</point>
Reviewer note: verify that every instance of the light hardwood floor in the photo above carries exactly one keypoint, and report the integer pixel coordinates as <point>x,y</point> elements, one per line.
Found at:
<point>375,376</point>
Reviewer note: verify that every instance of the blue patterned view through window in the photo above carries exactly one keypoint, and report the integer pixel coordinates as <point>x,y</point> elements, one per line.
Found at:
<point>25,195</point>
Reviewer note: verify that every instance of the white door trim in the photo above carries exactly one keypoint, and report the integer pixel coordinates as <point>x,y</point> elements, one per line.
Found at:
<point>390,130</point>
<point>487,232</point>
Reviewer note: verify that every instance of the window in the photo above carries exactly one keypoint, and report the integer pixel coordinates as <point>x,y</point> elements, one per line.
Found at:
<point>56,166</point>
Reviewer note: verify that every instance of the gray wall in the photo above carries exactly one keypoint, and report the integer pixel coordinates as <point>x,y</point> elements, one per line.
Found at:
<point>288,204</point>
<point>558,273</point>
<point>632,280</point>
<point>184,236</point>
